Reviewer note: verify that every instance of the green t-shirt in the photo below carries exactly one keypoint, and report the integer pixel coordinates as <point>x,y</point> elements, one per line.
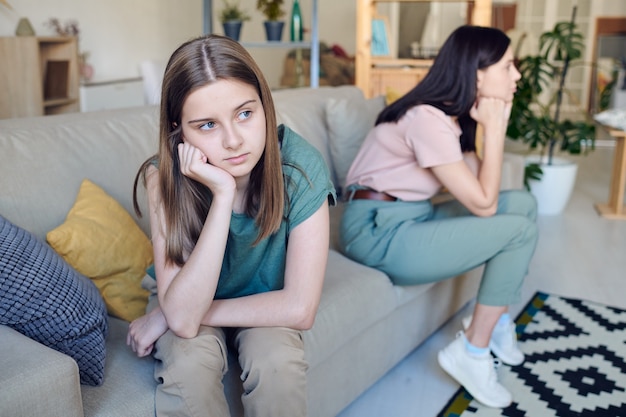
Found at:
<point>248,269</point>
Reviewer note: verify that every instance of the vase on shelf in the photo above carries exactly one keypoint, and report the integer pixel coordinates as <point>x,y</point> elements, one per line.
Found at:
<point>296,30</point>
<point>86,69</point>
<point>24,28</point>
<point>274,30</point>
<point>232,29</point>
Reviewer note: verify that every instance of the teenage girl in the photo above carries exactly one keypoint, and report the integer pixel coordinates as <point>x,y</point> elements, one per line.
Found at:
<point>239,218</point>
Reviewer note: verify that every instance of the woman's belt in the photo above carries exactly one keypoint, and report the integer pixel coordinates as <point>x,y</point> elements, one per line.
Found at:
<point>364,194</point>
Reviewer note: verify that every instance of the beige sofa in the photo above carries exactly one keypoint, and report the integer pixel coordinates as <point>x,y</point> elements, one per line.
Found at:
<point>364,326</point>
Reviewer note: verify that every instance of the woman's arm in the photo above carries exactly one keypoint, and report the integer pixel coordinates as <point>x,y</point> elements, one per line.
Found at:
<point>479,193</point>
<point>296,304</point>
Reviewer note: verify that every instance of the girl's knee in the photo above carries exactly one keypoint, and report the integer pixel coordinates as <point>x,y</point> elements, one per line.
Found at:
<point>207,350</point>
<point>189,373</point>
<point>278,361</point>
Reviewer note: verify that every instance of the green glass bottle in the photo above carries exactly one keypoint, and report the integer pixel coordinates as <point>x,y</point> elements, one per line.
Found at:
<point>297,31</point>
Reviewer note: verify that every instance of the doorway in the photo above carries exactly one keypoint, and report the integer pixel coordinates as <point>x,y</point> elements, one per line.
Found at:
<point>609,49</point>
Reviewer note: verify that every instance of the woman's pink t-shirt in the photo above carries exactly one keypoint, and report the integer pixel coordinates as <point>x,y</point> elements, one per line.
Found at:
<point>395,157</point>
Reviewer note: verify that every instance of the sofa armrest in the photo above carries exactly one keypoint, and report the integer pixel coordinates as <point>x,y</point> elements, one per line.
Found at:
<point>36,380</point>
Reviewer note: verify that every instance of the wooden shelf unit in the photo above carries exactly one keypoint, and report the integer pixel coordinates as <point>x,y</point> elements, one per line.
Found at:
<point>373,75</point>
<point>40,76</point>
<point>314,43</point>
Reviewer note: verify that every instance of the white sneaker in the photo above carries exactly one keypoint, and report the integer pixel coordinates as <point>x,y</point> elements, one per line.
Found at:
<point>476,374</point>
<point>503,343</point>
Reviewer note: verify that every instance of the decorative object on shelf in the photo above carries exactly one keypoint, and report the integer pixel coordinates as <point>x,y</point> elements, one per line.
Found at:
<point>273,11</point>
<point>232,17</point>
<point>297,35</point>
<point>70,28</point>
<point>24,28</point>
<point>297,30</point>
<point>536,113</point>
<point>380,37</point>
<point>86,69</point>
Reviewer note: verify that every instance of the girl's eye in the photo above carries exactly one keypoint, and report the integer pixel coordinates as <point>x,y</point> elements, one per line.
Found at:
<point>244,115</point>
<point>207,126</point>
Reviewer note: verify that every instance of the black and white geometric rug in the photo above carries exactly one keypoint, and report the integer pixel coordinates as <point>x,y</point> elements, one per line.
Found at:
<point>575,363</point>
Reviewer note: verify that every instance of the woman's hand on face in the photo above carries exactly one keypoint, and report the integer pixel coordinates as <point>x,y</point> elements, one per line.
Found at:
<point>195,165</point>
<point>144,332</point>
<point>492,113</point>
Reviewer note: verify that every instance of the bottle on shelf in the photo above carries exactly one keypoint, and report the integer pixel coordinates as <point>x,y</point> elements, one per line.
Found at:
<point>297,31</point>
<point>297,35</point>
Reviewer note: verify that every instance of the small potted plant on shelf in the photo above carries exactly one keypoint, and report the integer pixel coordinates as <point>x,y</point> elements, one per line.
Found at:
<point>536,117</point>
<point>273,11</point>
<point>232,17</point>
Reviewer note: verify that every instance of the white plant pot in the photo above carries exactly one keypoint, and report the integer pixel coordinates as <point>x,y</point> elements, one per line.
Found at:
<point>554,189</point>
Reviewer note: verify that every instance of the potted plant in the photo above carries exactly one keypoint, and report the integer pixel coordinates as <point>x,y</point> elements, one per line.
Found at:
<point>536,117</point>
<point>273,11</point>
<point>232,17</point>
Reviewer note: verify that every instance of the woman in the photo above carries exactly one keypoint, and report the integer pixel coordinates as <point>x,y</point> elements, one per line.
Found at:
<point>423,143</point>
<point>239,219</point>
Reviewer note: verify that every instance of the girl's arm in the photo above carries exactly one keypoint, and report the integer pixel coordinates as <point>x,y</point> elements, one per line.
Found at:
<point>479,193</point>
<point>186,293</point>
<point>296,304</point>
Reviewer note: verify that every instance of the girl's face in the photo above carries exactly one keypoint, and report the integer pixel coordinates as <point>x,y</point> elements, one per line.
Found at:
<point>225,120</point>
<point>500,79</point>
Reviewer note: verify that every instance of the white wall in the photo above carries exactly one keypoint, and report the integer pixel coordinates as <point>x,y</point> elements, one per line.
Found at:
<point>119,34</point>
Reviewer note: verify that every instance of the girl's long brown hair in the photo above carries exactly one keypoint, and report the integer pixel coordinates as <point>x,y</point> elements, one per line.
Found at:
<point>186,202</point>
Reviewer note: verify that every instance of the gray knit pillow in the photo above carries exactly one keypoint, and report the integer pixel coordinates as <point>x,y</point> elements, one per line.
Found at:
<point>44,298</point>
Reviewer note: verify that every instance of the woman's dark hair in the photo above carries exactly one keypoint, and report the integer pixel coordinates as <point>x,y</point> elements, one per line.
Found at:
<point>450,84</point>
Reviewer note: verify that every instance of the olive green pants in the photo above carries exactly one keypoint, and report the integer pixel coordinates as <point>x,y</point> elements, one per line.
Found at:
<point>189,372</point>
<point>420,242</point>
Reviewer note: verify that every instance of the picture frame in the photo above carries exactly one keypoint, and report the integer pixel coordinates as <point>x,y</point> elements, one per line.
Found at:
<point>381,39</point>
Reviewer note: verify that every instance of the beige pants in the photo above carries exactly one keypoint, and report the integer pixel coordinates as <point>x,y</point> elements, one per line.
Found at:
<point>190,371</point>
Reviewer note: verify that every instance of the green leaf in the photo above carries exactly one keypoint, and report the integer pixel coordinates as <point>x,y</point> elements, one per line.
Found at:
<point>532,171</point>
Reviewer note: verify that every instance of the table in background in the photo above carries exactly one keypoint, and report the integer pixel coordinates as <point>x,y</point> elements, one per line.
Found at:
<point>615,208</point>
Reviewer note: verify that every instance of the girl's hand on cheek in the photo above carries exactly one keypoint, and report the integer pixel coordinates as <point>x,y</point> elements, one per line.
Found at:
<point>195,165</point>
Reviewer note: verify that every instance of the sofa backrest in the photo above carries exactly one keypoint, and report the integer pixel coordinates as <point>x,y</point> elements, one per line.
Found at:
<point>304,111</point>
<point>43,160</point>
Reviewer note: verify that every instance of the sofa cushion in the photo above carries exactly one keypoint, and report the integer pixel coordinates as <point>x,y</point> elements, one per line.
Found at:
<point>349,121</point>
<point>304,111</point>
<point>350,289</point>
<point>42,297</point>
<point>129,386</point>
<point>102,241</point>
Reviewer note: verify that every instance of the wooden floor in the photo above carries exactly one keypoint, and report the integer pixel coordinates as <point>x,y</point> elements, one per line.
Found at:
<point>579,254</point>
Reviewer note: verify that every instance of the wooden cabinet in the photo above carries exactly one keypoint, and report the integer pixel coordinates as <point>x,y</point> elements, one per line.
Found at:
<point>38,76</point>
<point>375,75</point>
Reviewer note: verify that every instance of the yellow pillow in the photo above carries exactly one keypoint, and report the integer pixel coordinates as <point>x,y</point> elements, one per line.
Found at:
<point>102,241</point>
<point>391,95</point>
